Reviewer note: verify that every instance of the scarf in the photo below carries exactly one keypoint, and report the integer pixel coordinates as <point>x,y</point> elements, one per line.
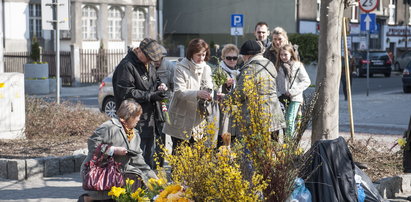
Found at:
<point>129,133</point>
<point>233,73</point>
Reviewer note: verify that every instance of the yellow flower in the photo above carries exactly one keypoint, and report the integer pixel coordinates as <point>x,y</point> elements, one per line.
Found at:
<point>402,141</point>
<point>284,146</point>
<point>161,181</point>
<point>298,151</point>
<point>116,191</point>
<point>129,182</point>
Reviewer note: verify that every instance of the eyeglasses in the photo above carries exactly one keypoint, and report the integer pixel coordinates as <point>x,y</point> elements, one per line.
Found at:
<point>231,57</point>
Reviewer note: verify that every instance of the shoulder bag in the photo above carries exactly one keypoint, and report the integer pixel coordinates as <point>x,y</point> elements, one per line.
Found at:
<point>102,172</point>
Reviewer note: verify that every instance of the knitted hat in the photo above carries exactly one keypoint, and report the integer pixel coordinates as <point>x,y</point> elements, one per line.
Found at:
<point>152,49</point>
<point>250,47</point>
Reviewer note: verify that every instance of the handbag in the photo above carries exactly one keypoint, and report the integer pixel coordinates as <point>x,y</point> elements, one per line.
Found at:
<point>102,172</point>
<point>285,99</point>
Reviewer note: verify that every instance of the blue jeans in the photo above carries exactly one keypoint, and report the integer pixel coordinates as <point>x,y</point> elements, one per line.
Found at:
<point>290,116</point>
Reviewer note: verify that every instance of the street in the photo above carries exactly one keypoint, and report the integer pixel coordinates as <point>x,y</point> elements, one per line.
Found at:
<point>378,84</point>
<point>385,111</point>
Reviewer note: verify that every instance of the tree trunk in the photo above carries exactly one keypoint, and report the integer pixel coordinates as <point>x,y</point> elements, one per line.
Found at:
<point>325,120</point>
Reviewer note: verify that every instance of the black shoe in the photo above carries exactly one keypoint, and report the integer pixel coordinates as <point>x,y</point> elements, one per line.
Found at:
<point>81,197</point>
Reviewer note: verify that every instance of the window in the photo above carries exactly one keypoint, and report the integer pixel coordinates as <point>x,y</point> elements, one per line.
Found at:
<point>391,12</point>
<point>318,9</point>
<point>139,24</point>
<point>354,12</point>
<point>89,23</point>
<point>35,20</point>
<point>114,23</point>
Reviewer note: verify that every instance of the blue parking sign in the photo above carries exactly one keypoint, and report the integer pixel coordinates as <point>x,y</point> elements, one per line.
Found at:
<point>237,20</point>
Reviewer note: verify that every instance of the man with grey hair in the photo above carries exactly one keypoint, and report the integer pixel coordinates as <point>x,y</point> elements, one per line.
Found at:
<point>135,77</point>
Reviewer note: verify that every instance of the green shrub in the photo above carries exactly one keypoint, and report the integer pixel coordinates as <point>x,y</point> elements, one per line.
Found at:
<point>49,119</point>
<point>307,46</point>
<point>35,50</point>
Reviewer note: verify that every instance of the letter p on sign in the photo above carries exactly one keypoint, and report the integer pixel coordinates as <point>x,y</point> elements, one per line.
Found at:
<point>237,20</point>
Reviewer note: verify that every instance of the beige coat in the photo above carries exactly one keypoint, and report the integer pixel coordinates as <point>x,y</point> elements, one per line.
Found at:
<point>266,77</point>
<point>189,78</point>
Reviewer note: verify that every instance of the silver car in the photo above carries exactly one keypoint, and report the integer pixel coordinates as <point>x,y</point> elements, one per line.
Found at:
<point>106,101</point>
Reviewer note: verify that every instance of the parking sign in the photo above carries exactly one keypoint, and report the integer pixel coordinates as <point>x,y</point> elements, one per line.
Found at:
<point>237,20</point>
<point>237,24</point>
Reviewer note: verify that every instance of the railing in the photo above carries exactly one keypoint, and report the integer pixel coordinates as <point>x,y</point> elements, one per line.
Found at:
<point>14,61</point>
<point>94,64</point>
<point>97,64</point>
<point>65,66</point>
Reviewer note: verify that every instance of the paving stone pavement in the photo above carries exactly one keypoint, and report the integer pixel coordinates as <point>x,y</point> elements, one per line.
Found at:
<point>63,188</point>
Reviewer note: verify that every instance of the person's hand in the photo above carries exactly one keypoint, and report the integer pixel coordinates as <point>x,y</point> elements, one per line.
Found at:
<point>205,95</point>
<point>162,87</point>
<point>157,96</point>
<point>220,96</point>
<point>229,82</point>
<point>121,151</point>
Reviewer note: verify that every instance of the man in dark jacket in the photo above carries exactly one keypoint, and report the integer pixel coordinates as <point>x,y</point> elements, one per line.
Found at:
<point>135,77</point>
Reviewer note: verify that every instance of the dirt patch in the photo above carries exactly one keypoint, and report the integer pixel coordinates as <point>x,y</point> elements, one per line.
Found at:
<point>42,147</point>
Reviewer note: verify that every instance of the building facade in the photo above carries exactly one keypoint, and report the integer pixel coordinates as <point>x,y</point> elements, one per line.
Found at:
<point>392,24</point>
<point>94,24</point>
<point>211,19</point>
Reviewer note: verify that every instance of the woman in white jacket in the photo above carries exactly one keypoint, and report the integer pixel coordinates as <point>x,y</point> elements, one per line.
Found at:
<point>192,79</point>
<point>292,80</point>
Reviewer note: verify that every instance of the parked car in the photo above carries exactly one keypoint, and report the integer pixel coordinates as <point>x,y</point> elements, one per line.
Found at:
<point>106,101</point>
<point>406,78</point>
<point>402,61</point>
<point>380,63</point>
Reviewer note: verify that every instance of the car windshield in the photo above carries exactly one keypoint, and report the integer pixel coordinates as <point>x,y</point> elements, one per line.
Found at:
<point>378,55</point>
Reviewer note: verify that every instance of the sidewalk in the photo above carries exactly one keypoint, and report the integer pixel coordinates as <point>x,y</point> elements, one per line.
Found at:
<point>49,189</point>
<point>89,90</point>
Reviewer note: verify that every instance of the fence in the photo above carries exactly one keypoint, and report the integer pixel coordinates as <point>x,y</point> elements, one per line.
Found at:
<point>97,64</point>
<point>94,64</point>
<point>14,61</point>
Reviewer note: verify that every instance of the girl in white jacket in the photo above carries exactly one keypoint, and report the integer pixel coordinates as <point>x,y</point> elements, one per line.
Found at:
<point>292,80</point>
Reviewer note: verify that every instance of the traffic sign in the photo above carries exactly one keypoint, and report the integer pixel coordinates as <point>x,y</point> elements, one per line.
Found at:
<point>368,5</point>
<point>237,20</point>
<point>367,22</point>
<point>237,24</point>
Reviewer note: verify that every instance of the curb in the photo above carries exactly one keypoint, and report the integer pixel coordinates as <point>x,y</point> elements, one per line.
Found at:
<point>23,169</point>
<point>394,187</point>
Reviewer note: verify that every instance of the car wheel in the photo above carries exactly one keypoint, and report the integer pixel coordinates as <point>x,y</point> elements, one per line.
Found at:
<point>387,74</point>
<point>397,67</point>
<point>406,89</point>
<point>109,107</point>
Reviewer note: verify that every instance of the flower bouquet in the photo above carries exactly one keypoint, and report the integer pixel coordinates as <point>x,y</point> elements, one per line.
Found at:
<point>219,76</point>
<point>156,190</point>
<point>165,111</point>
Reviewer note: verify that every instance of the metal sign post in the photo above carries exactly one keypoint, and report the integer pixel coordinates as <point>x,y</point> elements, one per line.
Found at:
<point>54,20</point>
<point>367,24</point>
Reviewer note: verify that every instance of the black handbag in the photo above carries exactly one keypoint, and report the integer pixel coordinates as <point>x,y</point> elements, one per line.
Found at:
<point>285,99</point>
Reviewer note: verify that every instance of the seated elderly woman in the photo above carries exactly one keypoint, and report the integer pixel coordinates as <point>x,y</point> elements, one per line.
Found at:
<point>119,134</point>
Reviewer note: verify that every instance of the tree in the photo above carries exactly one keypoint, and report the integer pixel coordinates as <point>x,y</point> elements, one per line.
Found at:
<point>325,122</point>
<point>35,50</point>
